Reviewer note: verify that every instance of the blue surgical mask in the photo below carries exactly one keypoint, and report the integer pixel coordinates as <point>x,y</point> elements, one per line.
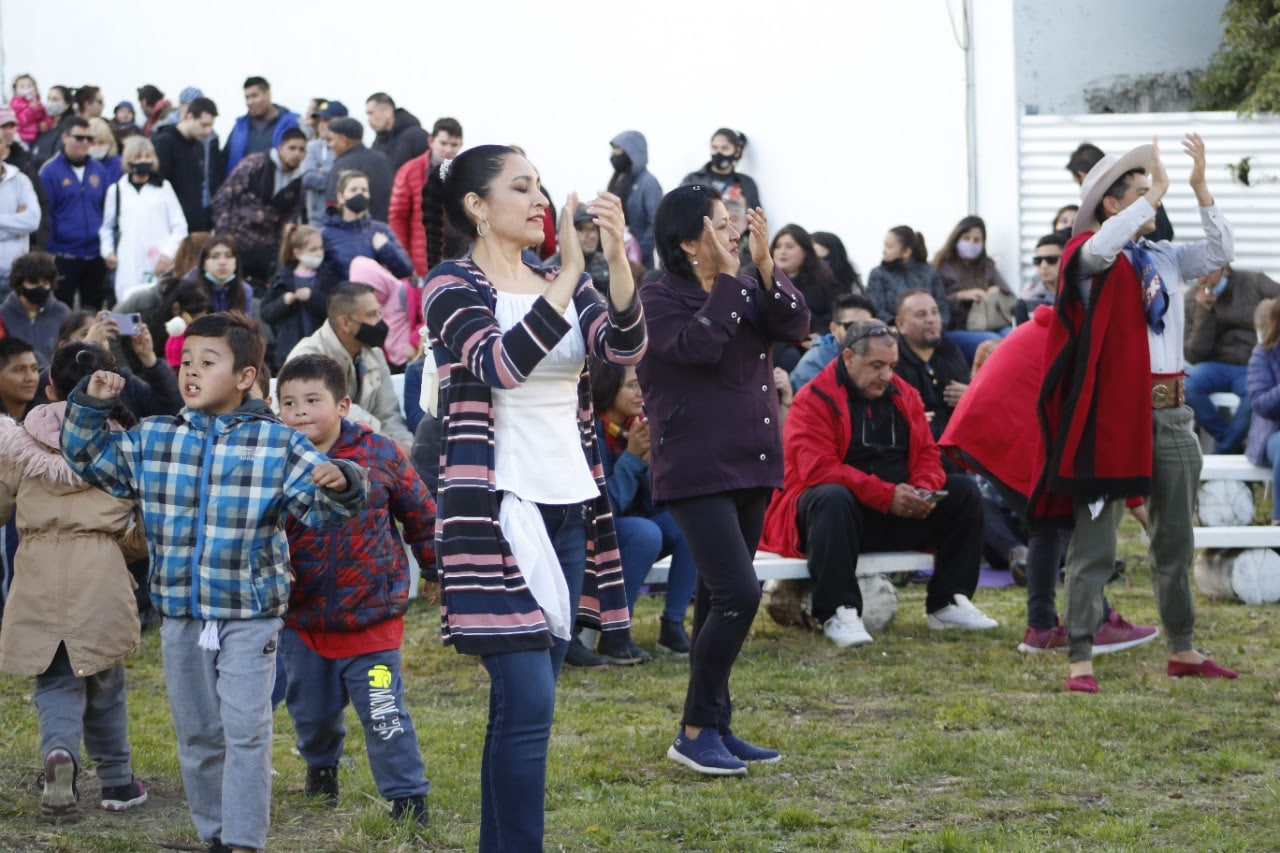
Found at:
<point>1222,285</point>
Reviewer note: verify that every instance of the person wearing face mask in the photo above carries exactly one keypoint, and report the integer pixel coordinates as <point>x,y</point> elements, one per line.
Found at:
<point>345,135</point>
<point>639,190</point>
<point>981,302</point>
<point>31,312</point>
<point>104,148</point>
<point>57,104</point>
<point>142,221</point>
<point>294,306</point>
<point>33,118</point>
<point>19,214</point>
<point>721,171</point>
<point>353,334</point>
<point>350,232</point>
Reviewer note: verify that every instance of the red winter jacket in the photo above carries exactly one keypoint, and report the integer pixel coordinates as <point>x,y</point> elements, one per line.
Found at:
<point>404,214</point>
<point>354,575</point>
<point>816,438</point>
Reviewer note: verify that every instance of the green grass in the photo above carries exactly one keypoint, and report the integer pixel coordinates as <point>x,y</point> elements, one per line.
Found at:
<point>918,742</point>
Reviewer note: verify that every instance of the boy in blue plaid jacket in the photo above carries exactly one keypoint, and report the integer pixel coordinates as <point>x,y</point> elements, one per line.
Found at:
<point>214,482</point>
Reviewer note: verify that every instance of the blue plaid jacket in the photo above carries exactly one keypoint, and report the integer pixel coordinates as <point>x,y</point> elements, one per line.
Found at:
<point>214,491</point>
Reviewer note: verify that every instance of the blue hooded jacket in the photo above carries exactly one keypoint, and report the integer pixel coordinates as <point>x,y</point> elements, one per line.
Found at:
<point>238,141</point>
<point>646,192</point>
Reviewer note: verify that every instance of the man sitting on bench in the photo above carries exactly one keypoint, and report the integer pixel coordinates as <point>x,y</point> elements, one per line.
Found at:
<point>862,473</point>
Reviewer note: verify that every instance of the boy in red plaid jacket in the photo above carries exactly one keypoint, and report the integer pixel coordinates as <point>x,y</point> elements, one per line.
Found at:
<point>342,634</point>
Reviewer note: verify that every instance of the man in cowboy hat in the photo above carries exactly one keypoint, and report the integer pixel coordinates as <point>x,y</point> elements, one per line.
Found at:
<point>1112,403</point>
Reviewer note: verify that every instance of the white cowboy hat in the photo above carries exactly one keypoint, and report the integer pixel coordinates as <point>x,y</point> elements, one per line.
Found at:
<point>1106,172</point>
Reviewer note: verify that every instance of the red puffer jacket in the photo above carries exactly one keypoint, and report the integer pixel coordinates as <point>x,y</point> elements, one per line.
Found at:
<point>404,214</point>
<point>815,439</point>
<point>355,575</point>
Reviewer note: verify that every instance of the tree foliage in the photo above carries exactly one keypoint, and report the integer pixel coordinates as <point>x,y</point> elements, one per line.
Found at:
<point>1244,73</point>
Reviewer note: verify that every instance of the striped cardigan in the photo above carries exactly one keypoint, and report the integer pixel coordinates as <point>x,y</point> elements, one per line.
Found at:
<point>486,608</point>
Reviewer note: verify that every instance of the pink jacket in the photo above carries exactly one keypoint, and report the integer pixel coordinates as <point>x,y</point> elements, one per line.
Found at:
<point>32,119</point>
<point>393,298</point>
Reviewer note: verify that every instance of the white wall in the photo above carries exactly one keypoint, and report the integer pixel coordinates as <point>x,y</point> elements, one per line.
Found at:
<point>855,111</point>
<point>1065,46</point>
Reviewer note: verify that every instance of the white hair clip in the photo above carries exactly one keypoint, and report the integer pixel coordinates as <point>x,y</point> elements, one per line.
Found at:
<point>444,169</point>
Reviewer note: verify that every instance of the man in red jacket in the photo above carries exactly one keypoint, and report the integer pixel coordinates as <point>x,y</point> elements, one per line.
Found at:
<point>862,473</point>
<point>405,213</point>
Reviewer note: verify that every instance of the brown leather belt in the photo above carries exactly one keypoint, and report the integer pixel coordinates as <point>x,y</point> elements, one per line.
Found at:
<point>1168,392</point>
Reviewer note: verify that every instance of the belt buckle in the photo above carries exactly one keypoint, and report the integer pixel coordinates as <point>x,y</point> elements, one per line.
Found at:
<point>1159,396</point>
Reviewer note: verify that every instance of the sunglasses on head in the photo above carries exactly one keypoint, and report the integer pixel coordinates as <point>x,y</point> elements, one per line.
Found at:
<point>1045,259</point>
<point>873,332</point>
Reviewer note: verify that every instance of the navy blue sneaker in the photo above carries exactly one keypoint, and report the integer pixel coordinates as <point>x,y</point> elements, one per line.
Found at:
<point>706,753</point>
<point>749,752</point>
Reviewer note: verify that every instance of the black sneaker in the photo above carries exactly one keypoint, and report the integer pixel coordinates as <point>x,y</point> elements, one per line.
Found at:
<point>121,798</point>
<point>413,807</point>
<point>322,782</point>
<point>582,657</point>
<point>673,639</point>
<point>621,652</point>
<point>216,846</point>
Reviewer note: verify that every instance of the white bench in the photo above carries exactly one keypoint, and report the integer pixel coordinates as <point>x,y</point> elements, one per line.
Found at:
<point>774,567</point>
<point>1237,560</point>
<point>1225,400</point>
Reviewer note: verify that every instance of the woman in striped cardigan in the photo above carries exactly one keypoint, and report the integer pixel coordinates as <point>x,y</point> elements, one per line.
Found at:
<point>524,538</point>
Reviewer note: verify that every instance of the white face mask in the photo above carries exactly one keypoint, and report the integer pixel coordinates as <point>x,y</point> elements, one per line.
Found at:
<point>311,262</point>
<point>55,110</point>
<point>26,91</point>
<point>99,152</point>
<point>968,250</point>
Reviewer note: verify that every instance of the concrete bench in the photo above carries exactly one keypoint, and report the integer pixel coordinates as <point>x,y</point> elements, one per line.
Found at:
<point>1247,536</point>
<point>774,567</point>
<point>1233,467</point>
<point>1225,400</point>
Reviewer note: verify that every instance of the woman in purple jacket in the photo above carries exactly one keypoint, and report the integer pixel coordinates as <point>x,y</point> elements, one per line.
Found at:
<point>1263,444</point>
<point>716,450</point>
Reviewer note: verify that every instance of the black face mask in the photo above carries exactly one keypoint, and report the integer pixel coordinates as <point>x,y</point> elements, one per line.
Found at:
<point>144,168</point>
<point>357,203</point>
<point>36,295</point>
<point>372,335</point>
<point>722,161</point>
<point>620,162</point>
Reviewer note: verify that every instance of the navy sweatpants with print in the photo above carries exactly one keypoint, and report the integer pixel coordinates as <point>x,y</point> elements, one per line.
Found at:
<point>319,690</point>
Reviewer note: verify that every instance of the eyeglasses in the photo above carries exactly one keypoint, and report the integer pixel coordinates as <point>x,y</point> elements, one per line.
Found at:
<point>633,385</point>
<point>873,332</point>
<point>1045,259</point>
<point>78,138</point>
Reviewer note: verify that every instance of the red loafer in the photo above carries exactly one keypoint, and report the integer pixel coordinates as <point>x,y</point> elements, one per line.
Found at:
<point>1082,684</point>
<point>1205,669</point>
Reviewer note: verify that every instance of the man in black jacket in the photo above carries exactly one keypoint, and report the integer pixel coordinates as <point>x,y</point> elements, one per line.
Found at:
<point>181,157</point>
<point>345,135</point>
<point>932,364</point>
<point>399,133</point>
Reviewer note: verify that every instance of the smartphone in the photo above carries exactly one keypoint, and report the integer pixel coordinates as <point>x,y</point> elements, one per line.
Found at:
<point>128,324</point>
<point>934,497</point>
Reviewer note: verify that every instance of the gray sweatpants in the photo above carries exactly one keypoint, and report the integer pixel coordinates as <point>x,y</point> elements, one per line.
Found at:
<point>221,705</point>
<point>93,707</point>
<point>1175,475</point>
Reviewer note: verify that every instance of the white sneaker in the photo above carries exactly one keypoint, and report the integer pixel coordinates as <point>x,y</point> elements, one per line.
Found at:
<point>845,628</point>
<point>961,614</point>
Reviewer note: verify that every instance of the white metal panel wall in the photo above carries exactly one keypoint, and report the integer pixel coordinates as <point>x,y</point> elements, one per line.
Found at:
<point>1046,142</point>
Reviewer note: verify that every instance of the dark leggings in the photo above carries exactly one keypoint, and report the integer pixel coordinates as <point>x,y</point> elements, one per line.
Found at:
<point>722,531</point>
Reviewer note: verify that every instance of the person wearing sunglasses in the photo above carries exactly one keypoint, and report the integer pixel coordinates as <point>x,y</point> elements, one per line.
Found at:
<point>76,186</point>
<point>863,474</point>
<point>1043,289</point>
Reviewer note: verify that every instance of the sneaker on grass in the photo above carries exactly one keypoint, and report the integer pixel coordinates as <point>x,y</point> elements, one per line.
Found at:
<point>121,798</point>
<point>1117,635</point>
<point>961,614</point>
<point>1038,640</point>
<point>414,808</point>
<point>322,783</point>
<point>749,752</point>
<point>60,795</point>
<point>845,628</point>
<point>706,753</point>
